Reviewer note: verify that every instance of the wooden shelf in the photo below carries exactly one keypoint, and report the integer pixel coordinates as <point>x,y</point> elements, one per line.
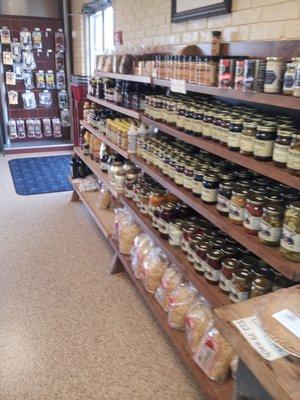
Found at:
<point>104,139</point>
<point>124,77</point>
<point>95,168</point>
<point>210,390</point>
<point>113,106</point>
<point>280,377</point>
<point>103,218</point>
<point>211,293</point>
<point>265,168</point>
<point>270,255</point>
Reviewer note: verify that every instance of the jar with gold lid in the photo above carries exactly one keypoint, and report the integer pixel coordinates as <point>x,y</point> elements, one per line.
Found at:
<point>206,121</point>
<point>228,266</point>
<point>290,240</point>
<point>240,285</point>
<point>179,174</point>
<point>237,205</point>
<point>281,146</point>
<point>247,137</point>
<point>213,266</point>
<point>200,251</point>
<point>260,286</point>
<point>253,213</point>
<point>271,225</point>
<point>264,142</point>
<point>175,232</point>
<point>198,173</point>
<point>293,159</point>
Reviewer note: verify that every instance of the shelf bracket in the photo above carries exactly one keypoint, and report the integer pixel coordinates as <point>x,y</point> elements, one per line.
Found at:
<point>116,265</point>
<point>75,196</point>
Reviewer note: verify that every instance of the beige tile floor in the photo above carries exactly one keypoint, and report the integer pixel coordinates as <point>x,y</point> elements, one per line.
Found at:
<point>68,329</point>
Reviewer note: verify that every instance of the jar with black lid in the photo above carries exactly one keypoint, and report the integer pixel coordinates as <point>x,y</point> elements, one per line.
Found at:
<point>165,218</point>
<point>229,251</point>
<point>224,129</point>
<point>281,147</point>
<point>179,174</point>
<point>264,142</point>
<point>194,239</point>
<point>210,235</point>
<point>240,285</point>
<point>234,134</point>
<point>261,270</point>
<point>200,251</point>
<point>188,229</point>
<point>198,180</point>
<point>213,266</point>
<point>273,199</point>
<point>207,120</point>
<point>260,286</point>
<point>223,198</point>
<point>228,266</point>
<point>247,262</point>
<point>247,137</point>
<point>253,213</point>
<point>210,186</point>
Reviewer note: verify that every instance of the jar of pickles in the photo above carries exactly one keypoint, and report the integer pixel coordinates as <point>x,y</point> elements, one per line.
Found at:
<point>237,205</point>
<point>271,225</point>
<point>260,286</point>
<point>210,188</point>
<point>253,214</point>
<point>223,198</point>
<point>213,266</point>
<point>293,160</point>
<point>290,240</point>
<point>229,265</point>
<point>240,285</point>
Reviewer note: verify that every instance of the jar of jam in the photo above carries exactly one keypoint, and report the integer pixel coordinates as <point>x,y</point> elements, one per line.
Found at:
<point>200,251</point>
<point>165,217</point>
<point>229,251</point>
<point>207,121</point>
<point>188,176</point>
<point>175,233</point>
<point>223,198</point>
<point>234,134</point>
<point>264,142</point>
<point>210,186</point>
<point>194,239</point>
<point>156,198</point>
<point>187,230</point>
<point>156,215</point>
<point>247,138</point>
<point>224,130</point>
<point>253,214</point>
<point>260,286</point>
<point>179,174</point>
<point>290,240</point>
<point>281,147</point>
<point>143,201</point>
<point>213,266</point>
<point>228,266</point>
<point>237,205</point>
<point>293,160</point>
<point>240,285</point>
<point>247,262</point>
<point>271,225</point>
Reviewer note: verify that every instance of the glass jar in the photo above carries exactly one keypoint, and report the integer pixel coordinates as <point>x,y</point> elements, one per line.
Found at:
<point>143,200</point>
<point>228,266</point>
<point>224,130</point>
<point>156,198</point>
<point>260,286</point>
<point>210,188</point>
<point>165,217</point>
<point>207,120</point>
<point>248,261</point>
<point>175,233</point>
<point>264,142</point>
<point>156,216</point>
<point>289,77</point>
<point>281,147</point>
<point>237,205</point>
<point>253,214</point>
<point>213,266</point>
<point>187,230</point>
<point>194,239</point>
<point>240,285</point>
<point>188,177</point>
<point>290,240</point>
<point>223,198</point>
<point>271,225</point>
<point>200,251</point>
<point>293,161</point>
<point>234,134</point>
<point>247,138</point>
<point>179,174</point>
<point>273,75</point>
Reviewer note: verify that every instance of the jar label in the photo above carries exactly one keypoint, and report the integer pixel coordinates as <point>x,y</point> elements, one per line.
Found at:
<point>197,187</point>
<point>247,143</point>
<point>290,240</point>
<point>223,135</point>
<point>179,178</point>
<point>155,222</point>
<point>188,182</point>
<point>280,153</point>
<point>175,237</point>
<point>209,195</point>
<point>223,203</point>
<point>251,222</point>
<point>211,274</point>
<point>144,208</point>
<point>198,263</point>
<point>236,212</point>
<point>263,148</point>
<point>233,139</point>
<point>236,295</point>
<point>163,226</point>
<point>224,283</point>
<point>293,161</point>
<point>268,232</point>
<point>288,82</point>
<point>198,266</point>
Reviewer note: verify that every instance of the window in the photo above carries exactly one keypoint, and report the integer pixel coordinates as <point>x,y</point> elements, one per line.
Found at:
<point>101,34</point>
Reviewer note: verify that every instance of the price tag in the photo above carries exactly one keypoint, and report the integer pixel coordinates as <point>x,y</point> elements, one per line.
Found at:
<point>178,86</point>
<point>289,320</point>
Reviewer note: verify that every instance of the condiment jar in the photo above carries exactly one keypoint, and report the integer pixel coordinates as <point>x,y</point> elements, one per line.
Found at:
<point>194,239</point>
<point>179,174</point>
<point>200,251</point>
<point>165,217</point>
<point>281,147</point>
<point>293,160</point>
<point>156,198</point>
<point>247,138</point>
<point>210,188</point>
<point>290,240</point>
<point>260,286</point>
<point>264,142</point>
<point>223,198</point>
<point>188,176</point>
<point>228,266</point>
<point>175,233</point>
<point>240,285</point>
<point>143,201</point>
<point>234,134</point>
<point>213,266</point>
<point>273,75</point>
<point>289,77</point>
<point>237,205</point>
<point>248,261</point>
<point>253,214</point>
<point>296,87</point>
<point>271,225</point>
<point>187,230</point>
<point>198,181</point>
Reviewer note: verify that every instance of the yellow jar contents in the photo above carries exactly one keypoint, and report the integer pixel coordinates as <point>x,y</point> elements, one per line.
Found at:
<point>290,240</point>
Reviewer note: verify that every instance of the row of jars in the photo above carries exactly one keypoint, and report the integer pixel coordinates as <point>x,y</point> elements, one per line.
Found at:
<point>241,129</point>
<point>264,207</point>
<point>211,252</point>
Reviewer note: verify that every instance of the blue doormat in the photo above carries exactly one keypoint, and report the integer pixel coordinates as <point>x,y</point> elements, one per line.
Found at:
<point>36,175</point>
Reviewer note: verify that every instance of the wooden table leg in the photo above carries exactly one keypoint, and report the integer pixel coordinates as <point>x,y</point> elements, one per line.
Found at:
<point>75,196</point>
<point>116,265</point>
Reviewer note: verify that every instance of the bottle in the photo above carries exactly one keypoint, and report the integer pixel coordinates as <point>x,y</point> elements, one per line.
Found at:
<point>74,167</point>
<point>86,110</point>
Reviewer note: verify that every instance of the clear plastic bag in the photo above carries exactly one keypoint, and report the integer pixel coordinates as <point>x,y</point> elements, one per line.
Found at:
<point>154,266</point>
<point>18,70</point>
<point>21,129</point>
<point>56,127</point>
<point>59,61</point>
<point>65,118</point>
<point>63,99</point>
<point>37,39</point>
<point>142,245</point>
<point>104,198</point>
<point>180,301</point>
<point>30,128</point>
<point>12,129</point>
<point>50,82</point>
<point>5,35</point>
<point>214,355</point>
<point>28,60</point>
<point>171,278</point>
<point>120,215</point>
<point>45,99</point>
<point>37,129</point>
<point>26,40</point>
<point>40,79</point>
<point>60,79</point>
<point>161,297</point>
<point>28,80</point>
<point>13,97</point>
<point>59,40</point>
<point>7,58</point>
<point>127,231</point>
<point>29,100</point>
<point>15,49</point>
<point>198,318</point>
<point>47,129</point>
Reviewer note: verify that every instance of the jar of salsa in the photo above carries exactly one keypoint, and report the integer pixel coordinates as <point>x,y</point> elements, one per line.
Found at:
<point>260,286</point>
<point>200,251</point>
<point>165,217</point>
<point>237,205</point>
<point>234,134</point>
<point>224,196</point>
<point>253,214</point>
<point>210,188</point>
<point>271,225</point>
<point>228,266</point>
<point>264,142</point>
<point>213,266</point>
<point>175,232</point>
<point>240,285</point>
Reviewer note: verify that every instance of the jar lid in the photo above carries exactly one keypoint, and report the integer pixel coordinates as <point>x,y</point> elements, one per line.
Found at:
<point>231,263</point>
<point>203,246</point>
<point>248,261</point>
<point>228,250</point>
<point>211,177</point>
<point>295,205</point>
<point>286,132</point>
<point>215,255</point>
<point>262,283</point>
<point>266,128</point>
<point>240,192</point>
<point>273,58</point>
<point>242,275</point>
<point>256,200</point>
<point>236,120</point>
<point>168,206</point>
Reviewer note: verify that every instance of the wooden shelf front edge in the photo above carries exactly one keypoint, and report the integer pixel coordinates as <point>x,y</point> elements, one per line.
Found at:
<point>211,293</point>
<point>95,168</point>
<point>113,106</point>
<point>103,138</point>
<point>210,390</point>
<point>270,255</point>
<point>103,218</point>
<point>124,77</point>
<point>265,168</point>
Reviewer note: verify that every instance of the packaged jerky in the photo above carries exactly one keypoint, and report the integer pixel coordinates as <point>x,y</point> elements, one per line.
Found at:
<point>18,70</point>
<point>56,127</point>
<point>7,58</point>
<point>47,129</point>
<point>60,79</point>
<point>50,83</point>
<point>45,99</point>
<point>30,128</point>
<point>12,129</point>
<point>10,78</point>
<point>25,39</point>
<point>13,97</point>
<point>59,40</point>
<point>37,39</point>
<point>28,60</point>
<point>28,80</point>
<point>37,129</point>
<point>63,100</point>
<point>15,49</point>
<point>29,100</point>
<point>65,118</point>
<point>21,129</point>
<point>5,35</point>
<point>40,79</point>
<point>59,61</point>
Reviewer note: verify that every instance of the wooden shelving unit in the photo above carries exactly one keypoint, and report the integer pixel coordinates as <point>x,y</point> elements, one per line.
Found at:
<point>265,168</point>
<point>124,77</point>
<point>103,218</point>
<point>280,377</point>
<point>271,256</point>
<point>104,139</point>
<point>213,294</point>
<point>210,390</point>
<point>113,106</point>
<point>95,168</point>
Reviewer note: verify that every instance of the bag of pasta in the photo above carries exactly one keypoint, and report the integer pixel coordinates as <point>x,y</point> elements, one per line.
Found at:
<point>104,198</point>
<point>127,231</point>
<point>142,245</point>
<point>161,297</point>
<point>214,355</point>
<point>179,303</point>
<point>154,266</point>
<point>120,215</point>
<point>171,278</point>
<point>198,318</point>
